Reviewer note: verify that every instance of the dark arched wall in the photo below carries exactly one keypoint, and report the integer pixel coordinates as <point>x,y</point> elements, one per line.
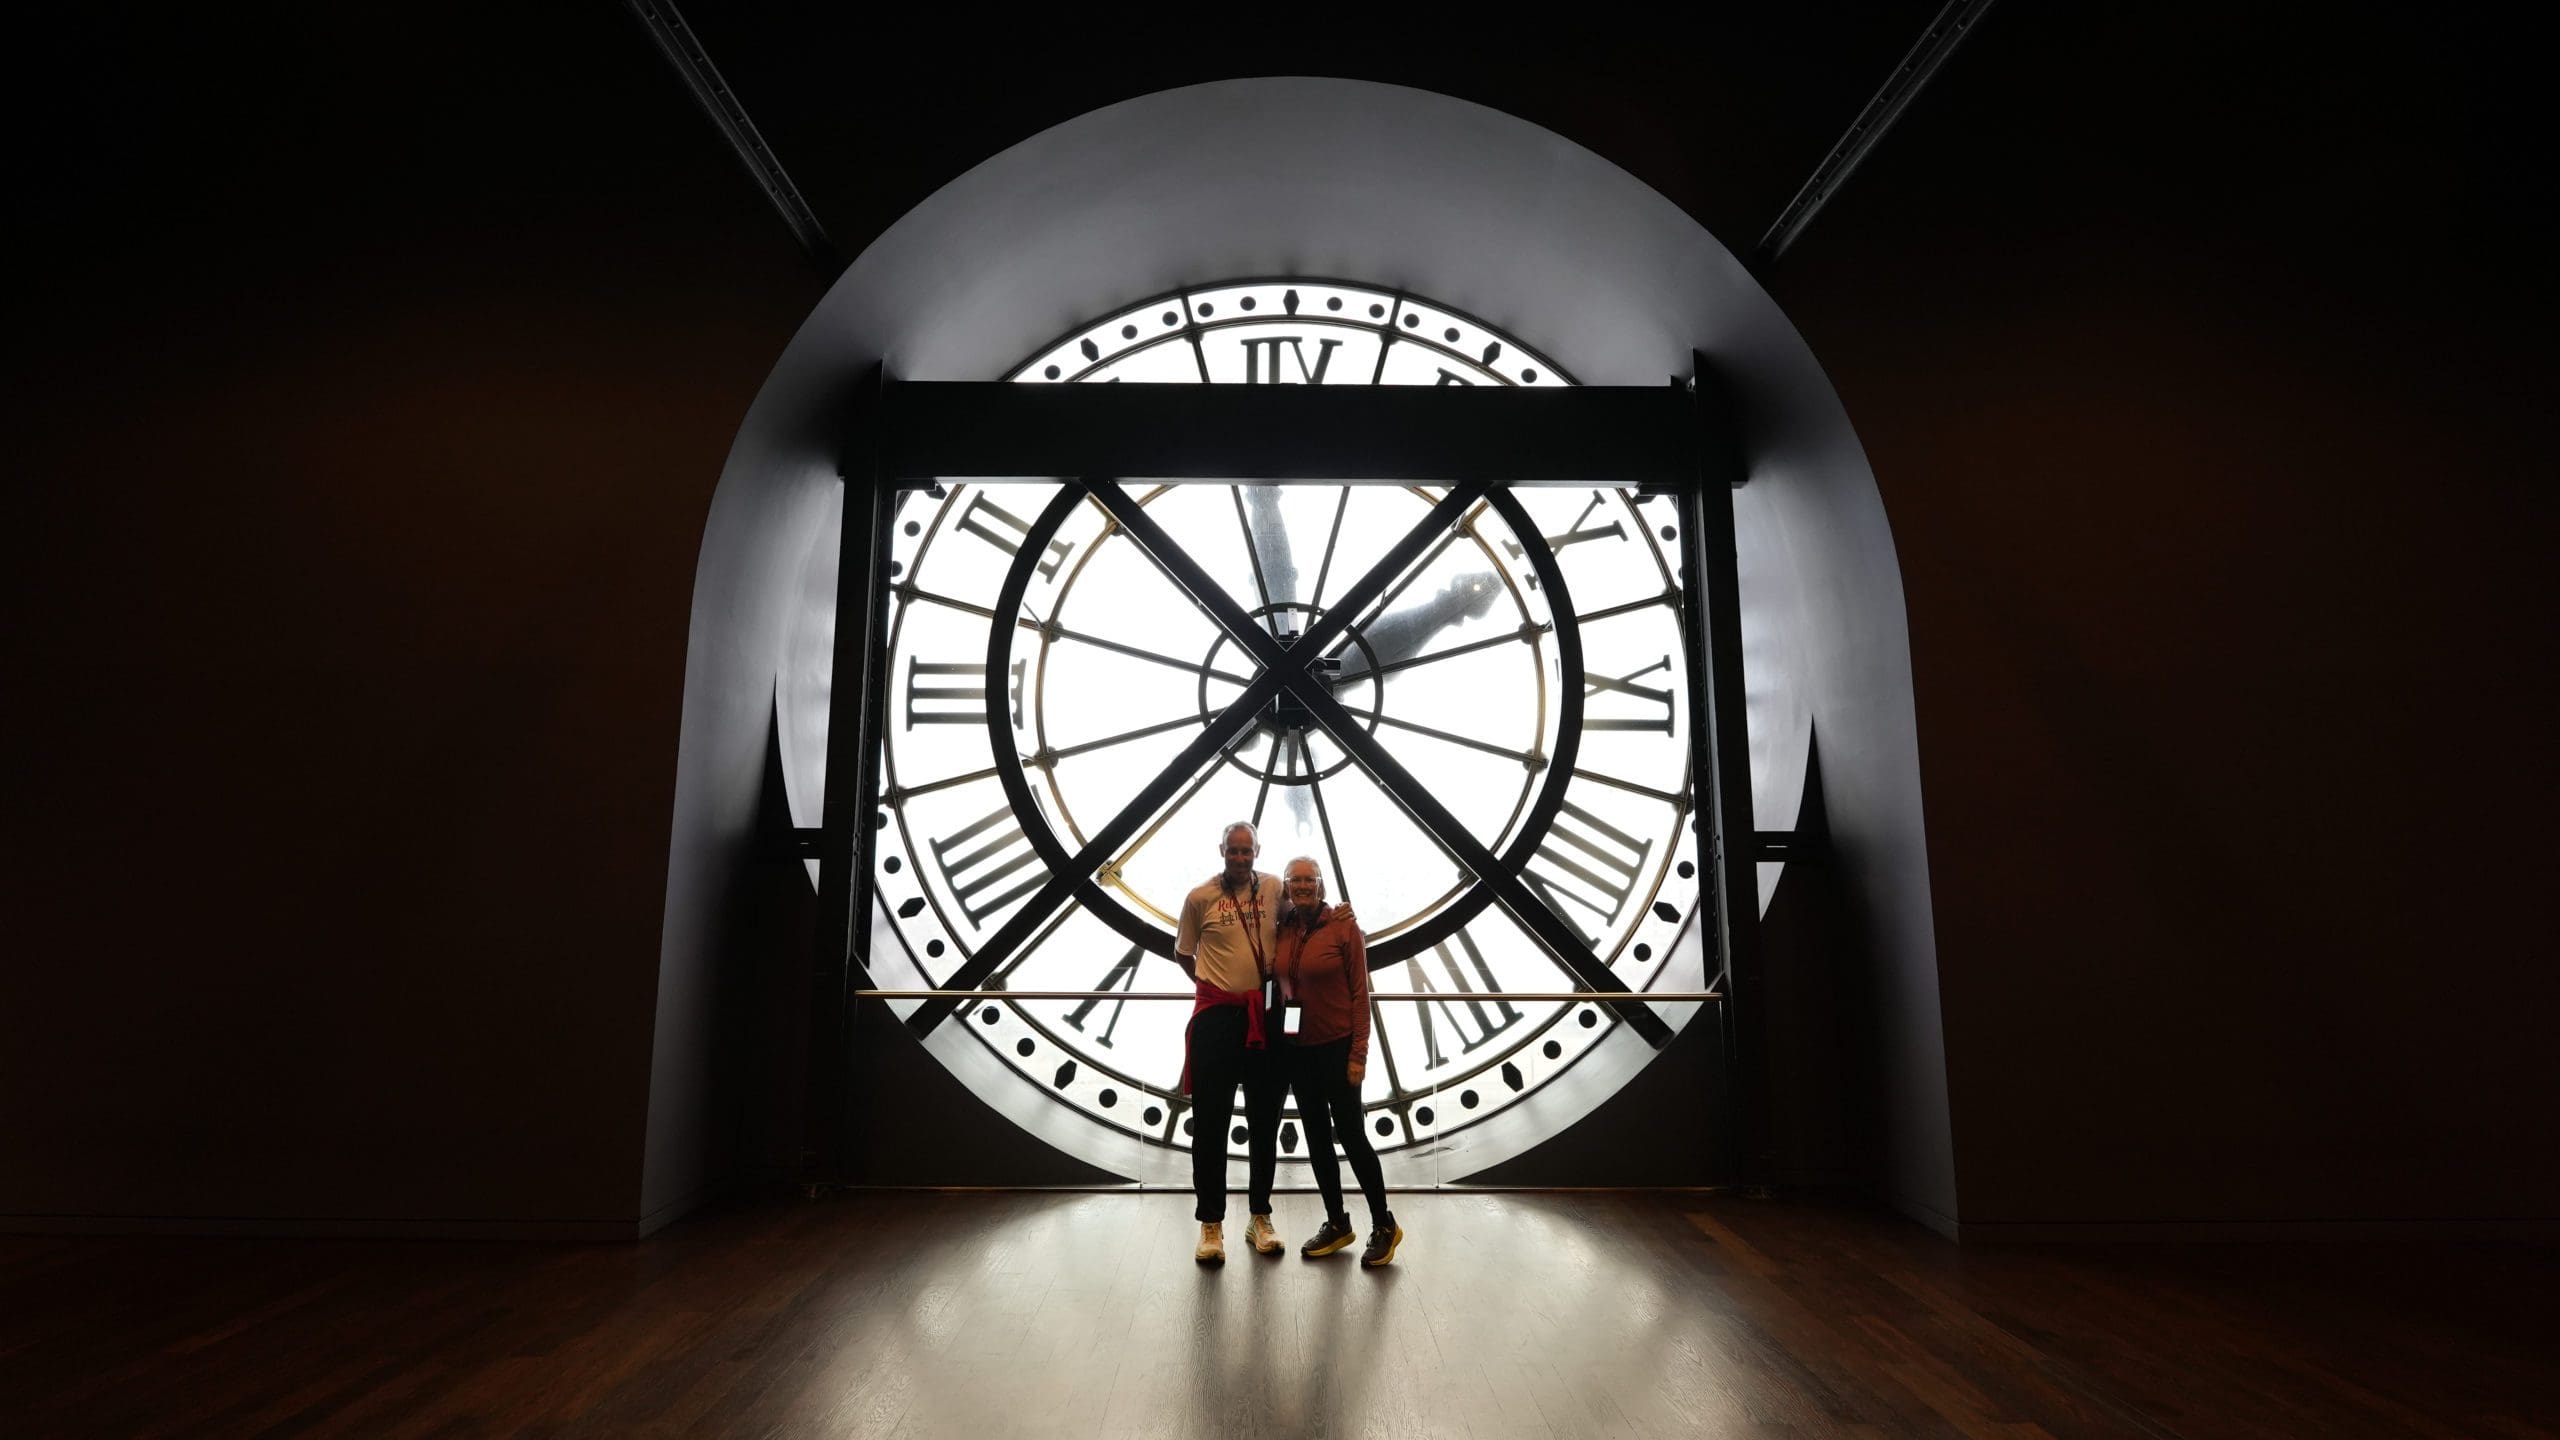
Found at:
<point>1395,186</point>
<point>373,387</point>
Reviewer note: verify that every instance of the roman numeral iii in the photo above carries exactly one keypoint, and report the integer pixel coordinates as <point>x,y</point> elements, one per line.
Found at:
<point>955,693</point>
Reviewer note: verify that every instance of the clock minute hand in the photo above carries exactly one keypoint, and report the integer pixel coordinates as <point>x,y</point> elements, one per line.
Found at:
<point>1401,635</point>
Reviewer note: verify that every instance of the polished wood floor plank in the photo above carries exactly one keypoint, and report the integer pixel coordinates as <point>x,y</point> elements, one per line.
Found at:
<point>1065,1316</point>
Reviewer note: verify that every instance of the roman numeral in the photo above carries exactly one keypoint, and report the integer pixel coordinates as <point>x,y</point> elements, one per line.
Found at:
<point>1472,1021</point>
<point>1006,531</point>
<point>1587,867</point>
<point>1576,534</point>
<point>981,867</point>
<point>1641,697</point>
<point>1122,976</point>
<point>1263,352</point>
<point>940,693</point>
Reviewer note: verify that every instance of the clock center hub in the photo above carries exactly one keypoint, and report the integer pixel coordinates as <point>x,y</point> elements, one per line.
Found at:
<point>1283,746</point>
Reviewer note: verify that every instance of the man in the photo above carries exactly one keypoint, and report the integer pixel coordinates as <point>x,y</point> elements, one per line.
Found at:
<point>1227,938</point>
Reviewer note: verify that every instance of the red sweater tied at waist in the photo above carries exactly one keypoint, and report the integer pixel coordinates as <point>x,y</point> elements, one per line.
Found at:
<point>1210,997</point>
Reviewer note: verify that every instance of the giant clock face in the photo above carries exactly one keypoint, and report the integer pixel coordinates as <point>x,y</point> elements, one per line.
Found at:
<point>1515,656</point>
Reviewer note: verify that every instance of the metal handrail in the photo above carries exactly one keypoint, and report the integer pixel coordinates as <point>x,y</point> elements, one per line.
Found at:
<point>1443,997</point>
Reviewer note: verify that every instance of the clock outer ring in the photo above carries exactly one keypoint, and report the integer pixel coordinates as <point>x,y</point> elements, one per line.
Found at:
<point>1453,917</point>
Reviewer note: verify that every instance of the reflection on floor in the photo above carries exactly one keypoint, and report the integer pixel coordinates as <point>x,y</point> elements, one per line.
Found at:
<point>1083,1315</point>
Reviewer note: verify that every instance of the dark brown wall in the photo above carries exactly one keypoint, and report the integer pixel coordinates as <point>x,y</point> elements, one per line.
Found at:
<point>358,449</point>
<point>2206,376</point>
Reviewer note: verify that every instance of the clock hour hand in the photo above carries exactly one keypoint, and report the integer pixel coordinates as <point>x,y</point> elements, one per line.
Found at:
<point>1268,533</point>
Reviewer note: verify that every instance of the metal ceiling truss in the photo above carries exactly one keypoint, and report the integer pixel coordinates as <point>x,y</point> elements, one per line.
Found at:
<point>683,49</point>
<point>1927,54</point>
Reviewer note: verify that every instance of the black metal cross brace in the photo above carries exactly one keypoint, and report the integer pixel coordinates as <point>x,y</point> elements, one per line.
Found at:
<point>1293,669</point>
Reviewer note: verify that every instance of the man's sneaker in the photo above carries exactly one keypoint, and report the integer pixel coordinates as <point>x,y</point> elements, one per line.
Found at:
<point>1383,1241</point>
<point>1213,1244</point>
<point>1259,1234</point>
<point>1334,1235</point>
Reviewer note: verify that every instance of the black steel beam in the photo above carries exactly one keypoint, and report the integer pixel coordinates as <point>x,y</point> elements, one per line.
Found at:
<point>1323,434</point>
<point>1720,763</point>
<point>1931,51</point>
<point>839,965</point>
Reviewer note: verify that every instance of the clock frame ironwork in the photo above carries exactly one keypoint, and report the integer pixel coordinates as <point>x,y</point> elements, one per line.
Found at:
<point>1072,875</point>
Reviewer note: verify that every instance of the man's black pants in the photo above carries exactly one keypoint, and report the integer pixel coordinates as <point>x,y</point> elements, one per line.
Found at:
<point>1219,1063</point>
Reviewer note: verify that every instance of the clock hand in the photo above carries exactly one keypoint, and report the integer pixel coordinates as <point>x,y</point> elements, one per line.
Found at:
<point>1400,636</point>
<point>1253,554</point>
<point>1341,503</point>
<point>1268,534</point>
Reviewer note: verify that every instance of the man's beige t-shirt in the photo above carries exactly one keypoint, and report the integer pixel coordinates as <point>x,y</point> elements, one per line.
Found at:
<point>1223,932</point>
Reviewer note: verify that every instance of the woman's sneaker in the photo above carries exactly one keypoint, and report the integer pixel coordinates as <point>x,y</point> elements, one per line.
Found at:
<point>1383,1240</point>
<point>1213,1244</point>
<point>1334,1235</point>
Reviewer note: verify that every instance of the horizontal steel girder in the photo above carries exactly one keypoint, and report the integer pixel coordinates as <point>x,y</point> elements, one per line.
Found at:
<point>1330,434</point>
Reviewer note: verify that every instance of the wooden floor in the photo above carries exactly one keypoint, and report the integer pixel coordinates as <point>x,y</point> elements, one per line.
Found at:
<point>1083,1315</point>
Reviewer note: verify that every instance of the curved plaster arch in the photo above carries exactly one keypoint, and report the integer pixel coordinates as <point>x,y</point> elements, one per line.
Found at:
<point>1392,186</point>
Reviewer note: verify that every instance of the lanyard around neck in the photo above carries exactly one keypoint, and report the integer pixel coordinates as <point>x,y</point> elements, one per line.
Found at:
<point>1253,927</point>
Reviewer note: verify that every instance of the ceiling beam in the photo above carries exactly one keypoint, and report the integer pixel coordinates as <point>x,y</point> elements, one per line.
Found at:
<point>692,63</point>
<point>1934,46</point>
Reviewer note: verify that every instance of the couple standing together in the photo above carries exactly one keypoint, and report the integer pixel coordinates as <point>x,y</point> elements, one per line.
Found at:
<point>1283,1007</point>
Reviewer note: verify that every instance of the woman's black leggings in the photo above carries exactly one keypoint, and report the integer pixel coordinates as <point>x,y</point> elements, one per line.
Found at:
<point>1329,1106</point>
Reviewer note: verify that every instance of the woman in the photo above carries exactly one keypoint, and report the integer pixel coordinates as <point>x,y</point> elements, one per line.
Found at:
<point>1324,976</point>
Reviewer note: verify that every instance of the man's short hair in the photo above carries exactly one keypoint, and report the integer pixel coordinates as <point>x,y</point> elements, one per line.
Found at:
<point>1244,825</point>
